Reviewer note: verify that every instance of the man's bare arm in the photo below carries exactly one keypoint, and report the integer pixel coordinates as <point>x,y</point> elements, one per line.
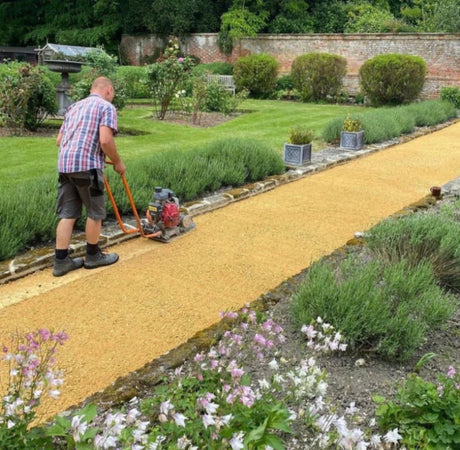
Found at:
<point>110,149</point>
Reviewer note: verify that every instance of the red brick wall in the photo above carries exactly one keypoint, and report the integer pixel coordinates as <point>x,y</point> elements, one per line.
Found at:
<point>440,51</point>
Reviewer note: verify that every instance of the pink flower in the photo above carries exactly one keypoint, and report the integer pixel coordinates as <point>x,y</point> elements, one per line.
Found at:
<point>451,372</point>
<point>309,331</point>
<point>259,339</point>
<point>237,373</point>
<point>180,60</point>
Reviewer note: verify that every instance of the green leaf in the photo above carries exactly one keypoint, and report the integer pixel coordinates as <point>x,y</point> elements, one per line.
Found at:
<point>83,446</point>
<point>274,441</point>
<point>89,412</point>
<point>256,434</point>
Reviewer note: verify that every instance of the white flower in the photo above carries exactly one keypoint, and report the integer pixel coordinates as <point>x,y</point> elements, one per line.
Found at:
<point>132,415</point>
<point>105,441</point>
<point>211,408</point>
<point>236,442</point>
<point>179,419</point>
<point>165,407</point>
<point>309,331</point>
<point>183,442</point>
<point>392,436</point>
<point>375,441</point>
<point>54,393</point>
<point>226,419</point>
<point>37,393</point>
<point>321,388</point>
<point>351,409</point>
<point>264,384</point>
<point>279,378</point>
<point>273,364</point>
<point>79,427</point>
<point>208,420</point>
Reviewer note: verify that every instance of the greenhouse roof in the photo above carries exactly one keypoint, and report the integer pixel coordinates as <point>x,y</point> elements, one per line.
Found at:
<point>66,50</point>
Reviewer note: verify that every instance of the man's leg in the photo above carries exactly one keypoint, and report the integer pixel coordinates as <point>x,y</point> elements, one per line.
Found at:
<point>64,233</point>
<point>94,256</point>
<point>63,263</point>
<point>93,230</point>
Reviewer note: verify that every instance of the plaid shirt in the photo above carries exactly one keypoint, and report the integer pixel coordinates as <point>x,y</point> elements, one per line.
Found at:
<point>80,149</point>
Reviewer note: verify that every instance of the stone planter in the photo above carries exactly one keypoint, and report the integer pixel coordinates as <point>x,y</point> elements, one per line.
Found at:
<point>64,68</point>
<point>297,155</point>
<point>61,66</point>
<point>352,140</point>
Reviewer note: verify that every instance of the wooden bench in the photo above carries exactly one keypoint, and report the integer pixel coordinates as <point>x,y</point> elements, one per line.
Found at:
<point>224,80</point>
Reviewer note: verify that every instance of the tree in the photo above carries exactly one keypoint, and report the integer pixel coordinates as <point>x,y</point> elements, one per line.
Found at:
<point>292,17</point>
<point>363,17</point>
<point>18,19</point>
<point>244,19</point>
<point>446,17</point>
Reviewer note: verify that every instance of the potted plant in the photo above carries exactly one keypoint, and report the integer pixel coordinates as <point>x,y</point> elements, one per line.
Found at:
<point>298,150</point>
<point>352,134</point>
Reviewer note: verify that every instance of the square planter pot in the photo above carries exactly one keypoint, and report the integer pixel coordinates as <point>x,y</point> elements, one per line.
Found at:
<point>297,155</point>
<point>352,140</point>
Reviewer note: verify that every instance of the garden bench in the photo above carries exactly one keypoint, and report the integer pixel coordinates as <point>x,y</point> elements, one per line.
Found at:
<point>225,80</point>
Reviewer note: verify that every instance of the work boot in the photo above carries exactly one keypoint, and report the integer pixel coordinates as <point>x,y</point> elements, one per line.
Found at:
<point>100,259</point>
<point>63,266</point>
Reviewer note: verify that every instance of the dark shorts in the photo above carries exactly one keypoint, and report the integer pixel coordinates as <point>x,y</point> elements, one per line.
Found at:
<point>81,188</point>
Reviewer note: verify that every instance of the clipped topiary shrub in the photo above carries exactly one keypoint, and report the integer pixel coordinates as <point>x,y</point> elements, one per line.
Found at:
<point>256,73</point>
<point>318,76</point>
<point>392,79</point>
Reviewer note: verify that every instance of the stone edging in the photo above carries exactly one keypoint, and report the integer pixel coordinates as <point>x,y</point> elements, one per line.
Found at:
<point>38,259</point>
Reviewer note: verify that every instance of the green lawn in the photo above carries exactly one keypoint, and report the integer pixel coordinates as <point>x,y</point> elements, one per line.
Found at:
<point>25,158</point>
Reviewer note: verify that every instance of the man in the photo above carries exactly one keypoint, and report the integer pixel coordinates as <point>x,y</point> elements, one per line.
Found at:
<point>84,140</point>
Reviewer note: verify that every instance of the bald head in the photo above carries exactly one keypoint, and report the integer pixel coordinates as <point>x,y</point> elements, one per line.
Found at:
<point>103,87</point>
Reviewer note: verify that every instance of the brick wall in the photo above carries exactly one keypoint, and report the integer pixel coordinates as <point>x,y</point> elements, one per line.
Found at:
<point>440,51</point>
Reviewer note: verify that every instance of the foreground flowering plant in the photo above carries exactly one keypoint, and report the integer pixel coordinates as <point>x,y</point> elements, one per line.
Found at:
<point>31,373</point>
<point>426,412</point>
<point>218,402</point>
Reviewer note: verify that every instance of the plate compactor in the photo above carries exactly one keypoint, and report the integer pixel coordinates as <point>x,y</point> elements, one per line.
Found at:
<point>163,219</point>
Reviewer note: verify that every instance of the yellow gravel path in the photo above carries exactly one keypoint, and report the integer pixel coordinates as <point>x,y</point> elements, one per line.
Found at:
<point>157,296</point>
